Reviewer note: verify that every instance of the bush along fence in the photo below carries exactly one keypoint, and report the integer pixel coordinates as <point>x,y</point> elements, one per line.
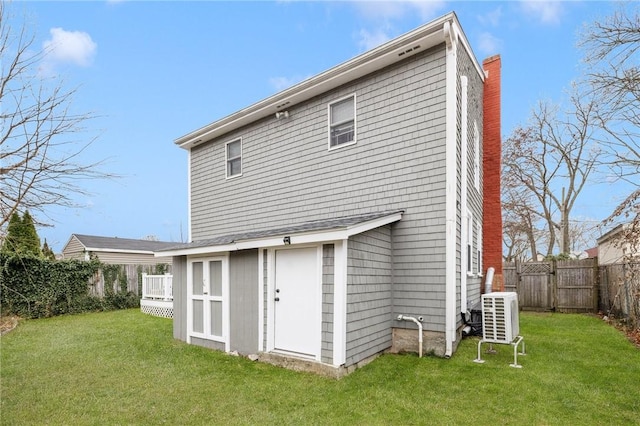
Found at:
<point>32,287</point>
<point>620,292</point>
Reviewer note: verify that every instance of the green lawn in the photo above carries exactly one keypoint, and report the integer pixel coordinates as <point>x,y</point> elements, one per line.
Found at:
<point>124,367</point>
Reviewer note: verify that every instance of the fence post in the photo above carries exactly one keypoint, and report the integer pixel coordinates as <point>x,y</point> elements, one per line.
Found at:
<point>518,266</point>
<point>167,292</point>
<point>144,285</point>
<point>553,278</point>
<point>596,284</point>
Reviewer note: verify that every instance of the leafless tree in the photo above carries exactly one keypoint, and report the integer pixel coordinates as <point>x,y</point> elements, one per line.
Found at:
<point>41,142</point>
<point>612,58</point>
<point>520,219</point>
<point>549,163</point>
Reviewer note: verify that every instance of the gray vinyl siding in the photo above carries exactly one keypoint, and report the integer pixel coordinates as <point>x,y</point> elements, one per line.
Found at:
<point>243,301</point>
<point>398,162</point>
<point>328,273</point>
<point>210,344</point>
<point>369,301</point>
<point>180,297</point>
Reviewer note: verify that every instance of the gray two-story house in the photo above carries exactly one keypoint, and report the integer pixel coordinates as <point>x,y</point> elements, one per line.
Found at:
<point>322,213</point>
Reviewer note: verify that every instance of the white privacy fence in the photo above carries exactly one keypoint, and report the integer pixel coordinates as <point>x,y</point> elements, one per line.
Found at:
<point>158,287</point>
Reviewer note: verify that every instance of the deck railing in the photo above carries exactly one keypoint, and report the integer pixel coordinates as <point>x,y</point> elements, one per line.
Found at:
<point>159,287</point>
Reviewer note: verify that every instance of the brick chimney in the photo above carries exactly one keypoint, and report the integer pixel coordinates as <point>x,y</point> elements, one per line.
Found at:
<point>491,167</point>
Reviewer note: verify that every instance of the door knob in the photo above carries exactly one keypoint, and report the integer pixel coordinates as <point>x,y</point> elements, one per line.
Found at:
<point>277,299</point>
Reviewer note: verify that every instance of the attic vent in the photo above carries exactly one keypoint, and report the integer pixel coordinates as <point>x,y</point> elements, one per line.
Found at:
<point>416,47</point>
<point>282,105</point>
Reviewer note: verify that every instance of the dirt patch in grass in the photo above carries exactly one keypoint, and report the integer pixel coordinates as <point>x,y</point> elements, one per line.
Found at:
<point>7,324</point>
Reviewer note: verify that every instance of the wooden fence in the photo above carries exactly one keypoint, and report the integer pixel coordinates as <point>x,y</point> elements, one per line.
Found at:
<point>620,291</point>
<point>133,275</point>
<point>563,286</point>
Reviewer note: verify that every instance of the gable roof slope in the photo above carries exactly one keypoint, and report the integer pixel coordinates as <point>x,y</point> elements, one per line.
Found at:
<point>97,243</point>
<point>424,37</point>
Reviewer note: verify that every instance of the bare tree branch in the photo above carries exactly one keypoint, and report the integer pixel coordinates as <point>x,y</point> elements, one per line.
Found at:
<point>547,165</point>
<point>41,139</point>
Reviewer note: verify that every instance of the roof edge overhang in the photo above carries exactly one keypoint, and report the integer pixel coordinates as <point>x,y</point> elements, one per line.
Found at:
<point>307,237</point>
<point>114,250</point>
<point>398,49</point>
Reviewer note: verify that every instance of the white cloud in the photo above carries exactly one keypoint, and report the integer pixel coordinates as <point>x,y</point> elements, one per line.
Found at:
<point>547,12</point>
<point>389,10</point>
<point>75,47</point>
<point>491,18</point>
<point>489,44</point>
<point>367,40</point>
<point>383,13</point>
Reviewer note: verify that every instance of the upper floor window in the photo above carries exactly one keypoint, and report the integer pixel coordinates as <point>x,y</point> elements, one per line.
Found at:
<point>476,156</point>
<point>479,247</point>
<point>469,247</point>
<point>234,158</point>
<point>342,122</point>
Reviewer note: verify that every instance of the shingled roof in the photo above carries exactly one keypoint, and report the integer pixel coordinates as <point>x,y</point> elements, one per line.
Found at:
<point>93,243</point>
<point>341,223</point>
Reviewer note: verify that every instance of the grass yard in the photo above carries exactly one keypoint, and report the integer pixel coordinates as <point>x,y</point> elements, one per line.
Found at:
<point>124,367</point>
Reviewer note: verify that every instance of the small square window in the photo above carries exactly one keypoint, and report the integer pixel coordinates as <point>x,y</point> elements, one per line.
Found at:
<point>234,158</point>
<point>342,123</point>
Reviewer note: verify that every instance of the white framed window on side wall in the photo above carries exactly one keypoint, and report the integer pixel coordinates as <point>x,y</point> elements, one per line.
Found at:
<point>342,122</point>
<point>233,157</point>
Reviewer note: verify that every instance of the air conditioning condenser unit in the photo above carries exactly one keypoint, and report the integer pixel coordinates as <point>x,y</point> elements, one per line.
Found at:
<point>500,323</point>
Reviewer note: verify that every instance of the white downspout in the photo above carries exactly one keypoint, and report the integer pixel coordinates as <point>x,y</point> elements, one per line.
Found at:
<point>464,235</point>
<point>450,197</point>
<point>419,324</point>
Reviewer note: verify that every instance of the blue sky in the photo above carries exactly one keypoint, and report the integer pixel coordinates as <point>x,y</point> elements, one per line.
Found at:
<point>154,71</point>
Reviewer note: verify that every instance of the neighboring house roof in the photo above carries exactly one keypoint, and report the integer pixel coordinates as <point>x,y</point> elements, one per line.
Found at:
<point>592,252</point>
<point>337,228</point>
<point>610,234</point>
<point>416,41</point>
<point>124,245</point>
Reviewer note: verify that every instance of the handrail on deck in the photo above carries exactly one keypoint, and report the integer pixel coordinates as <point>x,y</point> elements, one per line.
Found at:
<point>159,287</point>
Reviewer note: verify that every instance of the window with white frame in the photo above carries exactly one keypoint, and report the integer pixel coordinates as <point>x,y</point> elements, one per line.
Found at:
<point>234,158</point>
<point>476,156</point>
<point>342,122</point>
<point>469,247</point>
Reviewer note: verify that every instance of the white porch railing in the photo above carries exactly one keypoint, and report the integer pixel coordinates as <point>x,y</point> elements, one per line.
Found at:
<point>159,287</point>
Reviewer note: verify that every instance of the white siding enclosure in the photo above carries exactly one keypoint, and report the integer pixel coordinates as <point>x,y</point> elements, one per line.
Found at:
<point>336,206</point>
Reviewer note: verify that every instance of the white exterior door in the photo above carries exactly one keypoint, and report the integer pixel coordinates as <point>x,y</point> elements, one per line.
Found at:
<point>297,319</point>
<point>207,300</point>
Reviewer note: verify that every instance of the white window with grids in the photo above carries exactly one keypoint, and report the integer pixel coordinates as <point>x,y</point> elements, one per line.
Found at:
<point>342,122</point>
<point>234,158</point>
<point>476,156</point>
<point>469,247</point>
<point>479,247</point>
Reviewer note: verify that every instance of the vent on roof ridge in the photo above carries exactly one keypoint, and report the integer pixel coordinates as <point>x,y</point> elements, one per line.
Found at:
<point>416,47</point>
